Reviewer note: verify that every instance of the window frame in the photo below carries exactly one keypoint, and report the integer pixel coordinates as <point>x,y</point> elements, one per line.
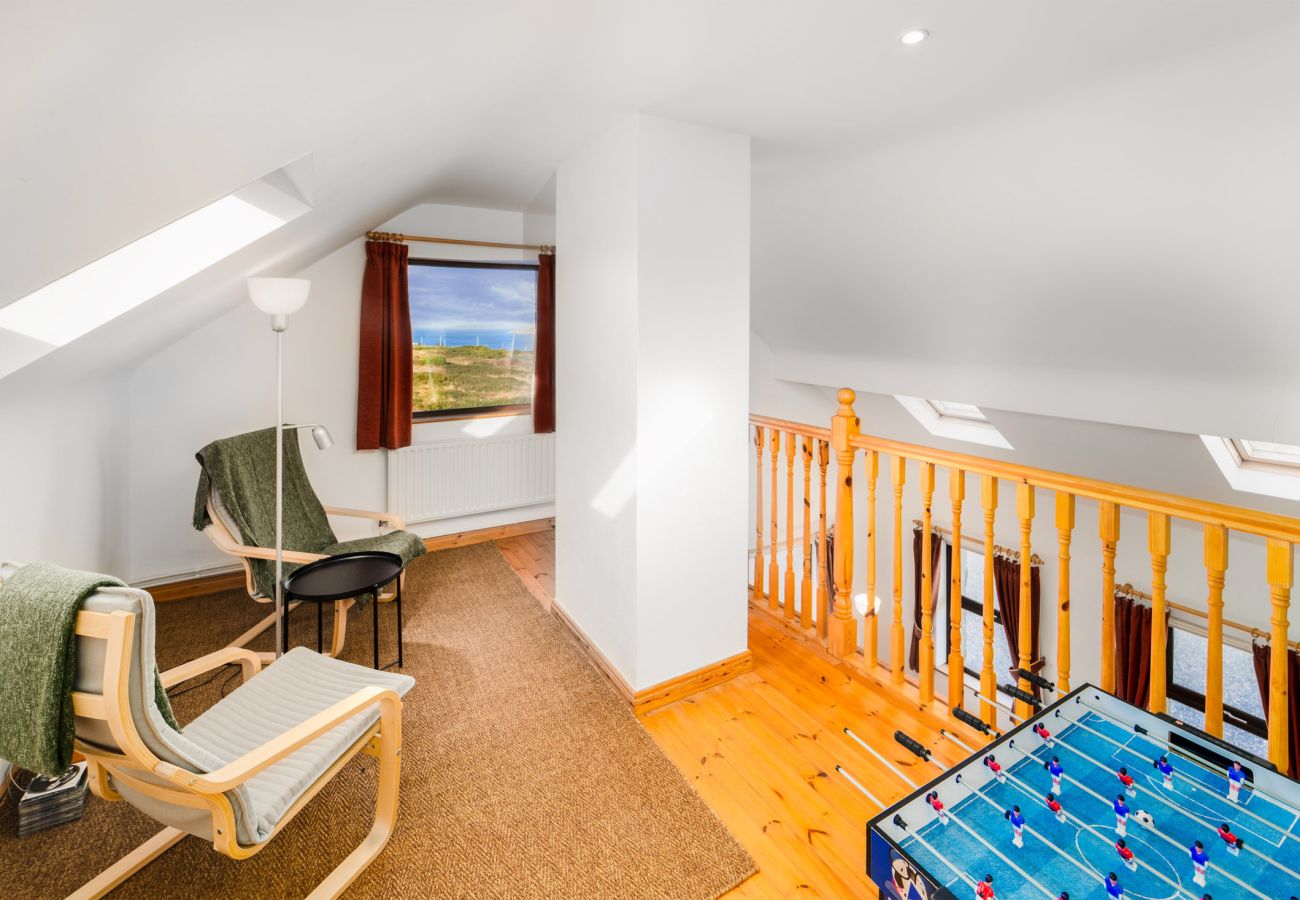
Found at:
<point>1233,716</point>
<point>419,416</point>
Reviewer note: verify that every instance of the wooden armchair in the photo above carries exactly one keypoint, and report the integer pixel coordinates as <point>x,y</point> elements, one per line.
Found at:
<point>215,780</point>
<point>222,532</point>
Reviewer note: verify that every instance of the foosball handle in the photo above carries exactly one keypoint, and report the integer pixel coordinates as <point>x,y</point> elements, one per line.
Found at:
<point>912,744</point>
<point>973,721</point>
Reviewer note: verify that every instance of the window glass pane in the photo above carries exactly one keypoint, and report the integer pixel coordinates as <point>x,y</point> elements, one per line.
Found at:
<point>972,575</point>
<point>1185,713</point>
<point>1240,687</point>
<point>474,330</point>
<point>1189,660</point>
<point>1267,451</point>
<point>972,637</point>
<point>1251,743</point>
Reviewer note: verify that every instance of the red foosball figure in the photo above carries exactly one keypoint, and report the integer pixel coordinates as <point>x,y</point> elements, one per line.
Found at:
<point>984,889</point>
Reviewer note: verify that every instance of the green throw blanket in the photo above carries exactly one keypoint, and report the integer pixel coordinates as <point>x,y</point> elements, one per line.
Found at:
<point>242,468</point>
<point>38,664</point>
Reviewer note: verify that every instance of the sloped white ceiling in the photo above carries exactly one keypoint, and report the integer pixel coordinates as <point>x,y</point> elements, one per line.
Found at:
<point>120,117</point>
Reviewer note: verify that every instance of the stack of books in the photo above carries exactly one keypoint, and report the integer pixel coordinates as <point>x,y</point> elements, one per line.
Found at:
<point>53,801</point>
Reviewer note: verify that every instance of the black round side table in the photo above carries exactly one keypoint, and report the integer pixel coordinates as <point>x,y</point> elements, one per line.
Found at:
<point>340,578</point>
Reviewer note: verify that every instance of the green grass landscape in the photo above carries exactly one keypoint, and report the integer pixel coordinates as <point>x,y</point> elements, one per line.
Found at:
<point>470,377</point>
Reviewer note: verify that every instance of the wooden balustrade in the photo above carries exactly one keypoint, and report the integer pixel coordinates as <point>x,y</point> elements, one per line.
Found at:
<point>1216,565</point>
<point>832,616</point>
<point>988,678</point>
<point>788,594</point>
<point>1064,526</point>
<point>956,663</point>
<point>774,567</point>
<point>823,459</point>
<point>758,516</point>
<point>925,667</point>
<point>873,635</point>
<point>805,586</point>
<point>1158,546</point>
<point>898,470</point>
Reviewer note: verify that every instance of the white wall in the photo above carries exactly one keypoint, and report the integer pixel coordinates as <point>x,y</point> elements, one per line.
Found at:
<point>1080,451</point>
<point>1120,253</point>
<point>219,380</point>
<point>652,371</point>
<point>63,456</point>
<point>596,384</point>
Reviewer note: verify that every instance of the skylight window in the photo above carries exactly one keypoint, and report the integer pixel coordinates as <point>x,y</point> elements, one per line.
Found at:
<point>951,419</point>
<point>1257,467</point>
<point>954,410</point>
<point>99,292</point>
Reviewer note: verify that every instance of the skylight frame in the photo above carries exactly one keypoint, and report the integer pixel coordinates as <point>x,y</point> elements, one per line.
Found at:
<point>957,427</point>
<point>1251,475</point>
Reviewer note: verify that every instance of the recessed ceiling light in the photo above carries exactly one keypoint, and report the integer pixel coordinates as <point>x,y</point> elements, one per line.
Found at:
<point>914,36</point>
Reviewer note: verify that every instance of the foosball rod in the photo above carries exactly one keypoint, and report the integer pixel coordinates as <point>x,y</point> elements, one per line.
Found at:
<point>888,765</point>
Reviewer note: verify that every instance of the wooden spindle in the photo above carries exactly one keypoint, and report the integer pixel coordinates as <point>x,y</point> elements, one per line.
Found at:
<point>773,566</point>
<point>988,678</point>
<point>788,594</point>
<point>872,459</point>
<point>925,658</point>
<point>806,586</point>
<point>823,459</point>
<point>1064,526</point>
<point>1025,638</point>
<point>956,663</point>
<point>1216,565</point>
<point>1158,545</point>
<point>1108,529</point>
<point>843,636</point>
<point>758,517</point>
<point>1281,575</point>
<point>898,468</point>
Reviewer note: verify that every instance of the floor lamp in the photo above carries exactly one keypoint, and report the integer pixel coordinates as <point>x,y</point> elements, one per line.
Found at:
<point>279,297</point>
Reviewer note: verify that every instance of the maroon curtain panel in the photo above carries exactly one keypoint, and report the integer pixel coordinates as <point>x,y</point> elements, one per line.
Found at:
<point>384,370</point>
<point>1263,655</point>
<point>544,359</point>
<point>1132,650</point>
<point>1006,578</point>
<point>936,549</point>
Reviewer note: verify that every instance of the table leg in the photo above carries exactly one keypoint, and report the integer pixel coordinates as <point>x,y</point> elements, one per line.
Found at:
<point>374,602</point>
<point>284,624</point>
<point>320,627</point>
<point>399,622</point>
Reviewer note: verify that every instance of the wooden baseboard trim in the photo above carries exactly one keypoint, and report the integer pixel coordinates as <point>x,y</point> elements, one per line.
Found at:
<point>666,692</point>
<point>483,535</point>
<point>675,689</point>
<point>197,586</point>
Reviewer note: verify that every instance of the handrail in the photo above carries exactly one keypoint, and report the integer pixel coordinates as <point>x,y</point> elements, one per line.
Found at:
<point>1238,518</point>
<point>794,427</point>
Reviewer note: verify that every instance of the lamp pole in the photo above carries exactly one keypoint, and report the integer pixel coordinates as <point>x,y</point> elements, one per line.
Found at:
<point>278,325</point>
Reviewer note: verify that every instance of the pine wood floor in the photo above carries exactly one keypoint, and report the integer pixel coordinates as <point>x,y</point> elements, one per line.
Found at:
<point>762,750</point>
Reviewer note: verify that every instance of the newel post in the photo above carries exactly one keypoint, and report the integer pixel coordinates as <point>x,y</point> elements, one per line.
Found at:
<point>843,631</point>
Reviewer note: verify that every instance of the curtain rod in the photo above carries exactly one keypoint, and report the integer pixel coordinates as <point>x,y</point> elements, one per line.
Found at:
<point>1248,629</point>
<point>404,238</point>
<point>1034,560</point>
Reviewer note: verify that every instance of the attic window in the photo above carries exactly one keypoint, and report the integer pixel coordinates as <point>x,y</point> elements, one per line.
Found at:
<point>951,419</point>
<point>951,409</point>
<point>100,291</point>
<point>1257,467</point>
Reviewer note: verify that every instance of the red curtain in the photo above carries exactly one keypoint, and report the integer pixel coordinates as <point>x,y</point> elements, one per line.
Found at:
<point>384,370</point>
<point>1263,654</point>
<point>544,364</point>
<point>936,548</point>
<point>1006,578</point>
<point>1132,650</point>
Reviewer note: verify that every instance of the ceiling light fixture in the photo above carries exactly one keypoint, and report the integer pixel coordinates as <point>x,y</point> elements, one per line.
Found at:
<point>914,36</point>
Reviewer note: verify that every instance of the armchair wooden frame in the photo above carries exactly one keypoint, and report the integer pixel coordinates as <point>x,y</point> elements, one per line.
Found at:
<point>219,532</point>
<point>207,791</point>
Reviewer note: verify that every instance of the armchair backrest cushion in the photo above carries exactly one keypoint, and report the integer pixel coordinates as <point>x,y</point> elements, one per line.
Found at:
<point>240,470</point>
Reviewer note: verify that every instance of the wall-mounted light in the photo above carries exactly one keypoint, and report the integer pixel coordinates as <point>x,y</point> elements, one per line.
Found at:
<point>913,36</point>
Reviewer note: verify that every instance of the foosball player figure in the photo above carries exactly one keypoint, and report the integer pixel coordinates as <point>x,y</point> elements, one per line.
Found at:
<point>1233,843</point>
<point>1166,770</point>
<point>1200,860</point>
<point>1121,847</point>
<point>1041,730</point>
<point>1055,806</point>
<point>1127,780</point>
<point>1113,887</point>
<point>984,889</point>
<point>1236,776</point>
<point>1017,820</point>
<point>996,768</point>
<point>1121,815</point>
<point>933,799</point>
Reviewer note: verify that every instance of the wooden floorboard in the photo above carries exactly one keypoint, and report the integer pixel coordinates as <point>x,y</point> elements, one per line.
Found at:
<point>762,749</point>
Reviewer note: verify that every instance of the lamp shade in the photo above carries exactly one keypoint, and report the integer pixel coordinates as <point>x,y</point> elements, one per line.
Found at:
<point>278,296</point>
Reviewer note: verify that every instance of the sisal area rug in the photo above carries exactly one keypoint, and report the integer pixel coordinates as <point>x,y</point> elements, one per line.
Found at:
<point>524,773</point>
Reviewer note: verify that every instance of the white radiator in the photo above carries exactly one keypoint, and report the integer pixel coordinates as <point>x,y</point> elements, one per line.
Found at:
<point>442,479</point>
